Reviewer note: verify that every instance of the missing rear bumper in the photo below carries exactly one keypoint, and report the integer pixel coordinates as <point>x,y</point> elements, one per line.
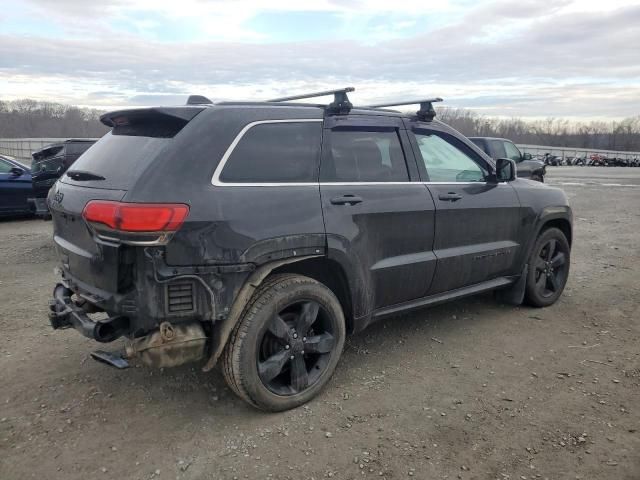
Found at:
<point>65,313</point>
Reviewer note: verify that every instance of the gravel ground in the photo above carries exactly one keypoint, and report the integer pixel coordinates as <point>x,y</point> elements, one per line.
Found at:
<point>470,390</point>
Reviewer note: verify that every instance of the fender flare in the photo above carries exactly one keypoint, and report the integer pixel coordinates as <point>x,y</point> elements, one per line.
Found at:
<point>223,329</point>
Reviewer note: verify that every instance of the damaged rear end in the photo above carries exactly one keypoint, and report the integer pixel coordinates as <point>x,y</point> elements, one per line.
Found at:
<point>114,278</point>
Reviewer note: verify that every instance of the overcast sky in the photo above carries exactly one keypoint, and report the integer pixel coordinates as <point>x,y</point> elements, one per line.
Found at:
<point>569,58</point>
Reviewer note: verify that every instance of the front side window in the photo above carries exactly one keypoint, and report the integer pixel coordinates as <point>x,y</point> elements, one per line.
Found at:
<point>364,156</point>
<point>446,162</point>
<point>512,152</point>
<point>283,152</point>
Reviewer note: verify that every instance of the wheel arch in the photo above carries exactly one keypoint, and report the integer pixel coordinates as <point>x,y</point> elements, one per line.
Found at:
<point>562,224</point>
<point>331,274</point>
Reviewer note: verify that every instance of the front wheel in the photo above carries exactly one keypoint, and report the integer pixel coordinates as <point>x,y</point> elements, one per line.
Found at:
<point>287,343</point>
<point>548,268</point>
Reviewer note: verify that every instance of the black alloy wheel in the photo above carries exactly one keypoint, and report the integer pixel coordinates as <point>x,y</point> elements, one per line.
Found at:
<point>296,348</point>
<point>548,268</point>
<point>287,343</point>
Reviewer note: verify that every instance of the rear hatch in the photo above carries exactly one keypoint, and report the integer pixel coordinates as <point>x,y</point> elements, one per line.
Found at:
<point>46,166</point>
<point>107,171</point>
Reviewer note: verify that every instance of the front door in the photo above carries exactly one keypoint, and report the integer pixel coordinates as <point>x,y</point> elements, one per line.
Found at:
<point>379,217</point>
<point>477,219</point>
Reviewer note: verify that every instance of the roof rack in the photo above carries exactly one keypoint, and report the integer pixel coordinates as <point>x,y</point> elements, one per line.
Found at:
<point>426,113</point>
<point>340,104</point>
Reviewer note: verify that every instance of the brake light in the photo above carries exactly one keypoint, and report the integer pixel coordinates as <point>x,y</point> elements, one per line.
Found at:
<point>136,217</point>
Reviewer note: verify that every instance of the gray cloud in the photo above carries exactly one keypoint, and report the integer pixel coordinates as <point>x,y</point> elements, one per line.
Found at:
<point>550,59</point>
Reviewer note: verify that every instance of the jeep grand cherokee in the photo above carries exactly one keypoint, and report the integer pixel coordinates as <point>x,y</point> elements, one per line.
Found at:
<point>260,233</point>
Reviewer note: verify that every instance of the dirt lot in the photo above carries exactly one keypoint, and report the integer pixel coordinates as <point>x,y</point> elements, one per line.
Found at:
<point>471,390</point>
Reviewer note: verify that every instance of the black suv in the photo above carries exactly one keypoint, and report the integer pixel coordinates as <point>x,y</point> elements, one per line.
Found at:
<point>48,164</point>
<point>503,148</point>
<point>256,235</point>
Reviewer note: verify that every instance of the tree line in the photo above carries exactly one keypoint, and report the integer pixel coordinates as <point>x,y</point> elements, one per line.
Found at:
<point>36,119</point>
<point>31,118</point>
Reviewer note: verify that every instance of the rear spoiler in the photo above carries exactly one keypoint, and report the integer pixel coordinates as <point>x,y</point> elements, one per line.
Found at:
<point>123,117</point>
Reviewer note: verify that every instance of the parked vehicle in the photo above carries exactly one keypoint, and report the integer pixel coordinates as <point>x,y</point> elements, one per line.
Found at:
<point>502,148</point>
<point>258,234</point>
<point>49,163</point>
<point>15,187</point>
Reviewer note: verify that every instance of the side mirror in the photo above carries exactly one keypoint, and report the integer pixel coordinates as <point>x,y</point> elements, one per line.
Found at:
<point>526,156</point>
<point>16,172</point>
<point>505,170</point>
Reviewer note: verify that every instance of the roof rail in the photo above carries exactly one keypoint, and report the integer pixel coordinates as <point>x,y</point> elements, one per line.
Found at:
<point>340,104</point>
<point>426,113</point>
<point>198,100</point>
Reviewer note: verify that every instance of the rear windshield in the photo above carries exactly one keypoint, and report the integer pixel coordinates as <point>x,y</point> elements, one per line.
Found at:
<point>120,159</point>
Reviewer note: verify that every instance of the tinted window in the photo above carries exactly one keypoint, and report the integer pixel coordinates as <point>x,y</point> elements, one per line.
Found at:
<point>276,153</point>
<point>364,156</point>
<point>497,146</point>
<point>446,162</point>
<point>119,159</point>
<point>512,152</point>
<point>481,144</point>
<point>5,167</point>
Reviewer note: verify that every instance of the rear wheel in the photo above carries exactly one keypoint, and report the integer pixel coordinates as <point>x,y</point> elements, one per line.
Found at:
<point>548,268</point>
<point>287,343</point>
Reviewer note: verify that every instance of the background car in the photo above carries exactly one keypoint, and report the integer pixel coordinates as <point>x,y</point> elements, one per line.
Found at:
<point>502,148</point>
<point>15,187</point>
<point>49,163</point>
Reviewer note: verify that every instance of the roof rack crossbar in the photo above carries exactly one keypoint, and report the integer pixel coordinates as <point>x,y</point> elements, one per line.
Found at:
<point>426,112</point>
<point>340,104</point>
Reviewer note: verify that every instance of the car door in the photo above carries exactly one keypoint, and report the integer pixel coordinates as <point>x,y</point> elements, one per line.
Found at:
<point>477,218</point>
<point>14,189</point>
<point>379,217</point>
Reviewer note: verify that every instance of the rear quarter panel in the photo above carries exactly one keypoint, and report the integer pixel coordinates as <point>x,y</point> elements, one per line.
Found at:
<point>228,224</point>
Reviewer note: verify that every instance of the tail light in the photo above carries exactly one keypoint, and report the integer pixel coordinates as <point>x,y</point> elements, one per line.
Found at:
<point>136,223</point>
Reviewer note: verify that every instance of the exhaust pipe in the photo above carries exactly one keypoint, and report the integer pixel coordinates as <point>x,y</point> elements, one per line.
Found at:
<point>64,313</point>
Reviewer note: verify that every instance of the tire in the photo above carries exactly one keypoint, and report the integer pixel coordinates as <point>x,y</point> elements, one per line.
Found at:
<point>548,268</point>
<point>537,178</point>
<point>264,359</point>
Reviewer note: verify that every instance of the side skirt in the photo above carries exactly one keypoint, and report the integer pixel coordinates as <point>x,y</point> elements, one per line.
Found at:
<point>439,298</point>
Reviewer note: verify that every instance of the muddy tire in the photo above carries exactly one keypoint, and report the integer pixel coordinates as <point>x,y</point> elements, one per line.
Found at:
<point>286,344</point>
<point>548,268</point>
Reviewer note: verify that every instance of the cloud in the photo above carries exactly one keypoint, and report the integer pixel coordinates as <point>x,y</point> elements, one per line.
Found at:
<point>525,59</point>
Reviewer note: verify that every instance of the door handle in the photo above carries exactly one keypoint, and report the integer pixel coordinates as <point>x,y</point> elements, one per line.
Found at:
<point>346,200</point>
<point>450,197</point>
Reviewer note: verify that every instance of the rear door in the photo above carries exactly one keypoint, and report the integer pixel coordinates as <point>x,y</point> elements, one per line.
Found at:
<point>477,220</point>
<point>379,217</point>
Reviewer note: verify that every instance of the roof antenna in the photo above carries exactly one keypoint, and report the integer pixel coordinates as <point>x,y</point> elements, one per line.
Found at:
<point>426,113</point>
<point>198,100</point>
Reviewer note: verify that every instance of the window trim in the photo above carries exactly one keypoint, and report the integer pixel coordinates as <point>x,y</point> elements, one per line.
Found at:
<point>216,181</point>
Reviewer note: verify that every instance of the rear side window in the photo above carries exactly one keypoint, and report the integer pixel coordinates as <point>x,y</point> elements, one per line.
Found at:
<point>282,152</point>
<point>364,156</point>
<point>498,148</point>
